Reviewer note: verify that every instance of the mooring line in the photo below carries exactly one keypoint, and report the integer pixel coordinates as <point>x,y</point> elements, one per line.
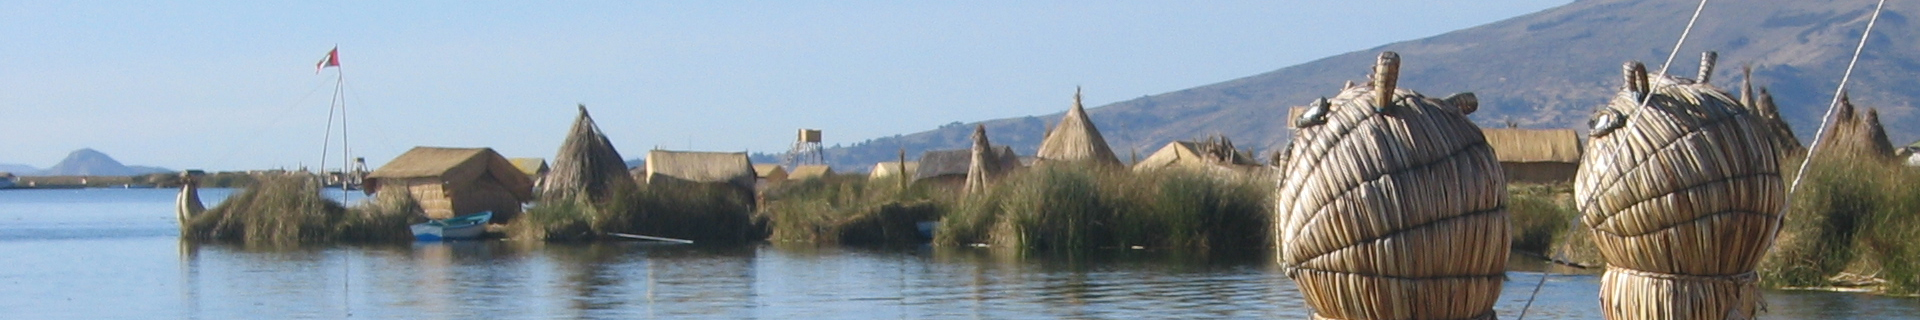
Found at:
<point>1837,92</point>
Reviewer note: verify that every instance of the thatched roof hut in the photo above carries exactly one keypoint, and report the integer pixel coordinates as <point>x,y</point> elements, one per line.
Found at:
<point>449,182</point>
<point>770,173</point>
<point>1536,155</point>
<point>1215,152</point>
<point>1393,206</point>
<point>893,168</point>
<point>730,168</point>
<point>1076,139</point>
<point>586,165</point>
<point>1681,187</point>
<point>533,167</point>
<point>950,166</point>
<point>1761,104</point>
<point>811,171</point>
<point>1855,135</point>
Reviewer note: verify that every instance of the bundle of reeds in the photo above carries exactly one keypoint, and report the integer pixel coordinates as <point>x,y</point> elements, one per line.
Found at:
<point>586,166</point>
<point>1681,188</point>
<point>1393,206</point>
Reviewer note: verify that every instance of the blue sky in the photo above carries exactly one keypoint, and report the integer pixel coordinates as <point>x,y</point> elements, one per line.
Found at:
<point>231,85</point>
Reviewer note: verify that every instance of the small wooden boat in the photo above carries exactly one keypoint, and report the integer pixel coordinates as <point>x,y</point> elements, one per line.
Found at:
<point>455,228</point>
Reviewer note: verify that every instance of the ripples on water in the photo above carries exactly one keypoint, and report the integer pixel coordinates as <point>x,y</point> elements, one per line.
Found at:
<point>113,254</point>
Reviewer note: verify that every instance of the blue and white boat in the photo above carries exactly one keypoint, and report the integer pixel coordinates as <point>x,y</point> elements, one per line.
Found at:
<point>455,228</point>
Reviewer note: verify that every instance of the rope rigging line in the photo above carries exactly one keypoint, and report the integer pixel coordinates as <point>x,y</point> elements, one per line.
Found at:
<point>1644,99</point>
<point>1815,146</point>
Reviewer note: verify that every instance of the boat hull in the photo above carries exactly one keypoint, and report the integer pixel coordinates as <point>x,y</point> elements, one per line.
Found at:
<point>456,228</point>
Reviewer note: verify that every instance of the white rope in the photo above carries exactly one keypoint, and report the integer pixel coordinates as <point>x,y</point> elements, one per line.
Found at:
<point>1811,148</point>
<point>1683,41</point>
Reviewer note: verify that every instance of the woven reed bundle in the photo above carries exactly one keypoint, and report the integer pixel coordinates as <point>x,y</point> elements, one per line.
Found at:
<point>1393,206</point>
<point>586,165</point>
<point>1683,197</point>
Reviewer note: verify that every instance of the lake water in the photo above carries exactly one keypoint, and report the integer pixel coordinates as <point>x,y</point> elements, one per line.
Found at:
<point>115,253</point>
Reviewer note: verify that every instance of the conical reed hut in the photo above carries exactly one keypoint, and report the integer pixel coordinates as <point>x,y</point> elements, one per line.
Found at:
<point>1076,139</point>
<point>982,168</point>
<point>1393,206</point>
<point>1681,187</point>
<point>587,165</point>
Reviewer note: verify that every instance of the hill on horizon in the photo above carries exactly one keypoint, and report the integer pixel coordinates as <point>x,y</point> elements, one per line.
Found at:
<point>1547,69</point>
<point>89,162</point>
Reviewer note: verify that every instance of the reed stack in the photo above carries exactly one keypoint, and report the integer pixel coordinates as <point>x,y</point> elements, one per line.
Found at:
<point>1681,187</point>
<point>1393,206</point>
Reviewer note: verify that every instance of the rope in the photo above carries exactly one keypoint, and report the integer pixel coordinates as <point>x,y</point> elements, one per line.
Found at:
<point>1815,146</point>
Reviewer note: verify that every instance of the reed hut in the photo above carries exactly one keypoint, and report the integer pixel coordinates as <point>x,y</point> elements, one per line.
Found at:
<point>1761,104</point>
<point>893,168</point>
<point>949,167</point>
<point>1393,206</point>
<point>1212,153</point>
<point>586,165</point>
<point>1681,188</point>
<point>811,171</point>
<point>1856,135</point>
<point>769,174</point>
<point>732,169</point>
<point>1536,155</point>
<point>1076,139</point>
<point>533,167</point>
<point>449,182</point>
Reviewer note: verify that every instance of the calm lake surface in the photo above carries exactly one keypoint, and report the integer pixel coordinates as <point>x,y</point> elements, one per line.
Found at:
<point>115,253</point>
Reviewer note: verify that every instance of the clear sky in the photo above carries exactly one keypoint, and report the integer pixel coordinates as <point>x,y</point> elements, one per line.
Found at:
<point>231,85</point>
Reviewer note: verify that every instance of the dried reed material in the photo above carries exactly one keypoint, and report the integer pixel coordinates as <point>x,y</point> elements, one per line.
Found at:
<point>1393,211</point>
<point>586,165</point>
<point>1076,139</point>
<point>1683,195</point>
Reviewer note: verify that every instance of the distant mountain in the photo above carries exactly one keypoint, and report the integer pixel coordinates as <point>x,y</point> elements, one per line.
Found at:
<point>18,169</point>
<point>89,162</point>
<point>1547,69</point>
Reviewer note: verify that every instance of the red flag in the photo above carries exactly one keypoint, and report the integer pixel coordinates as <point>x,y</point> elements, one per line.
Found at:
<point>332,60</point>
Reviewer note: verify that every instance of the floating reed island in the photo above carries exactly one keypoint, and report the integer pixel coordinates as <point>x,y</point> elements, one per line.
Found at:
<point>1393,206</point>
<point>1683,192</point>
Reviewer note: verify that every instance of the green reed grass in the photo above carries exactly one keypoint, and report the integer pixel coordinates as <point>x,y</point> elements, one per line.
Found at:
<point>705,213</point>
<point>1071,207</point>
<point>1851,214</point>
<point>290,210</point>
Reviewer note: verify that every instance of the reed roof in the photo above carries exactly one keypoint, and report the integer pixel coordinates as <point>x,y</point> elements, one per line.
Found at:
<point>770,171</point>
<point>703,167</point>
<point>1076,139</point>
<point>586,164</point>
<point>892,168</point>
<point>954,162</point>
<point>810,171</point>
<point>533,167</point>
<point>455,165</point>
<point>1196,154</point>
<point>1534,145</point>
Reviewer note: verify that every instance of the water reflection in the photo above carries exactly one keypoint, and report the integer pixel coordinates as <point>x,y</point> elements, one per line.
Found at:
<point>624,280</point>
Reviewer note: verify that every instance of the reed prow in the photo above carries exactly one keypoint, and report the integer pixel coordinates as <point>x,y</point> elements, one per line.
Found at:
<point>188,205</point>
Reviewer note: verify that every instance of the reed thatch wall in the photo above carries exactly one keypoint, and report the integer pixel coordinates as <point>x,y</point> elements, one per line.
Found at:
<point>729,168</point>
<point>586,165</point>
<point>1536,155</point>
<point>1683,195</point>
<point>1214,152</point>
<point>810,172</point>
<point>1393,206</point>
<point>1076,139</point>
<point>455,181</point>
